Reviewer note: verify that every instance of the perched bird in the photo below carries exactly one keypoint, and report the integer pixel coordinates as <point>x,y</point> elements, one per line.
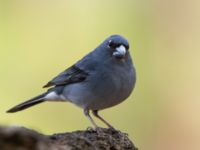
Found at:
<point>103,78</point>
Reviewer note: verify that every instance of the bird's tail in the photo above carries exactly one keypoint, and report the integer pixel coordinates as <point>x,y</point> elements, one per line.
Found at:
<point>28,103</point>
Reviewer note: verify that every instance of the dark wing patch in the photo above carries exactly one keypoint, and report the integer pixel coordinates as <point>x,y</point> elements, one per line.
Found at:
<point>70,75</point>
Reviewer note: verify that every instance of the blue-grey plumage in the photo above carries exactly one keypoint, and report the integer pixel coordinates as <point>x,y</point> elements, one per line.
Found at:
<point>103,78</point>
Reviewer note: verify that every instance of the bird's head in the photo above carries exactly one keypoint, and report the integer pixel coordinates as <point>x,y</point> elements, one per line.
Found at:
<point>117,46</point>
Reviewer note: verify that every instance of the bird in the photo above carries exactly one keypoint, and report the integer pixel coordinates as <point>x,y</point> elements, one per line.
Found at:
<point>103,78</point>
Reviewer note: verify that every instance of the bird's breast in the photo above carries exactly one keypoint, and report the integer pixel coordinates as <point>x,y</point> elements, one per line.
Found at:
<point>113,85</point>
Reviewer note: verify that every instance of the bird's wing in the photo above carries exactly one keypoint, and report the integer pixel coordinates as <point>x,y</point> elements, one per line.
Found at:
<point>71,75</point>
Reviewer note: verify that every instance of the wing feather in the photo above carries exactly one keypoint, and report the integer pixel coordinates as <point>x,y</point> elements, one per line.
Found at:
<point>71,75</point>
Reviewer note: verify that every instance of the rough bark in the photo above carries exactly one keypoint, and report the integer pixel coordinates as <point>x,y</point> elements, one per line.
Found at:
<point>19,138</point>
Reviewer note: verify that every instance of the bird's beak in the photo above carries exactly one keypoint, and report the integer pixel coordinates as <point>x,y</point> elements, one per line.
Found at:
<point>120,52</point>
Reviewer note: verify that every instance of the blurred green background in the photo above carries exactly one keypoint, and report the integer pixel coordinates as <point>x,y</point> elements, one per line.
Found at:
<point>40,38</point>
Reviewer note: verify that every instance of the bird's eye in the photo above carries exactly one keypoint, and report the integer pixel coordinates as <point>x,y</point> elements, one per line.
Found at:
<point>111,44</point>
<point>114,45</point>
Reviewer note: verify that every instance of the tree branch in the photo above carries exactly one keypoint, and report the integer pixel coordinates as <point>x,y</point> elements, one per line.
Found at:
<point>19,138</point>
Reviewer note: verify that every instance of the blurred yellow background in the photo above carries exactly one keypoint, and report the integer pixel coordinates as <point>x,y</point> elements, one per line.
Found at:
<point>39,39</point>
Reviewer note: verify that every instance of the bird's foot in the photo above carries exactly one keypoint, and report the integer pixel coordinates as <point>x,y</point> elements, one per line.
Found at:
<point>91,129</point>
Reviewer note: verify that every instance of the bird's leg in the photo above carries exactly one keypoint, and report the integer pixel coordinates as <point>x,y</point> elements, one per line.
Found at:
<point>95,113</point>
<point>87,114</point>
